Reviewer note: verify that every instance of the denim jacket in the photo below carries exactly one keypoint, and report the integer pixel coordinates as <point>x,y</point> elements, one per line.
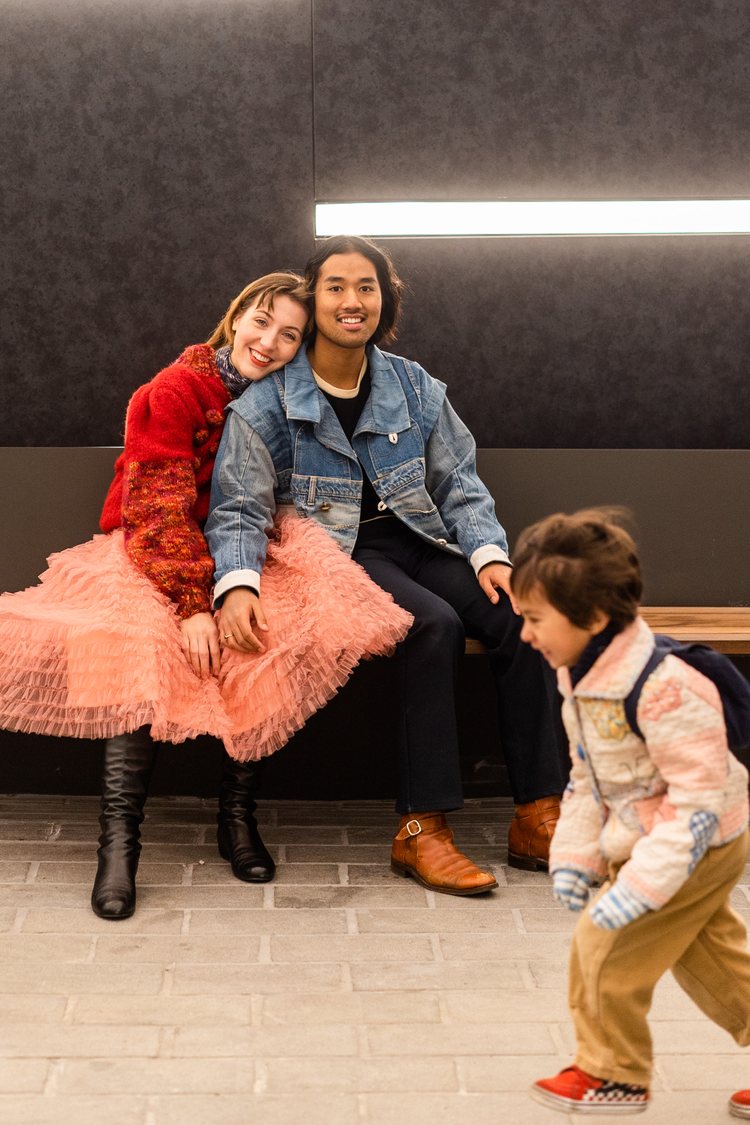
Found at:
<point>283,445</point>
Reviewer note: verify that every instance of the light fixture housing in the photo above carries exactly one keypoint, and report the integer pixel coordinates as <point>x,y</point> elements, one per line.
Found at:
<point>535,218</point>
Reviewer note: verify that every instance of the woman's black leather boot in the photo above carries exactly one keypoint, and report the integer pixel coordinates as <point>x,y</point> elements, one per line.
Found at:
<point>238,836</point>
<point>128,764</point>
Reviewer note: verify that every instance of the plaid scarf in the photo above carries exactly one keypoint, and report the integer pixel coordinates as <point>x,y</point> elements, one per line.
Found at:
<point>230,376</point>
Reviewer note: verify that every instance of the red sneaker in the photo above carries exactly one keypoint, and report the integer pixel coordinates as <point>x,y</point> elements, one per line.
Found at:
<point>739,1104</point>
<point>575,1091</point>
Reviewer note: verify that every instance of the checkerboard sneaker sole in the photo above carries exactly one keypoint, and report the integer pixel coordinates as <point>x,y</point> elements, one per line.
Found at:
<point>575,1091</point>
<point>739,1104</point>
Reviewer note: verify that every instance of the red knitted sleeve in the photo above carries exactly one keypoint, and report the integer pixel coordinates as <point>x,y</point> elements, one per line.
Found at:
<point>162,536</point>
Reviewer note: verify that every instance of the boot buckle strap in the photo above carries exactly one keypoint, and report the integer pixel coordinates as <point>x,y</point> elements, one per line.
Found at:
<point>411,828</point>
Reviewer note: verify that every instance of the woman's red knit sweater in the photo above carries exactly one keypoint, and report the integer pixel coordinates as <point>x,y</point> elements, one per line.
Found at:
<point>162,479</point>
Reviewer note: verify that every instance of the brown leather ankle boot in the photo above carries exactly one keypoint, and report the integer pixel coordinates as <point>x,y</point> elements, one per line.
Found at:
<point>423,849</point>
<point>531,831</point>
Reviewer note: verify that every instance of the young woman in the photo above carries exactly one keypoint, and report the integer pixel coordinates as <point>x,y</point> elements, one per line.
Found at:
<point>119,641</point>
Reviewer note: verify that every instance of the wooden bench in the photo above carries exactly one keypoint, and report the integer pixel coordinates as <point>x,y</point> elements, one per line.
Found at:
<point>725,628</point>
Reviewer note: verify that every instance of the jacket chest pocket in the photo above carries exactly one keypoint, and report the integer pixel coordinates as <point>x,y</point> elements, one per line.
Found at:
<point>312,459</point>
<point>404,489</point>
<point>390,452</point>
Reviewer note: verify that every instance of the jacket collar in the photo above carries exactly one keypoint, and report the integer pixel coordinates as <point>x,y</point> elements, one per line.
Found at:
<point>592,652</point>
<point>615,670</point>
<point>302,399</point>
<point>386,410</point>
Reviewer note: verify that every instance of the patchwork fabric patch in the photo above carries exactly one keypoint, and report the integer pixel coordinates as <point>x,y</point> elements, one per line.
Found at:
<point>702,825</point>
<point>608,716</point>
<point>658,699</point>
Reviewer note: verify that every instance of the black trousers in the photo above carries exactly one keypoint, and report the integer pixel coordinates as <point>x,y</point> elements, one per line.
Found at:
<point>443,594</point>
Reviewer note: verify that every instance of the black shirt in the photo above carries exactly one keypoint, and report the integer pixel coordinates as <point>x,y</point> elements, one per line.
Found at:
<point>348,412</point>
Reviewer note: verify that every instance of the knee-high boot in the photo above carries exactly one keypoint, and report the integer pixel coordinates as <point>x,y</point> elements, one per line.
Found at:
<point>128,764</point>
<point>238,836</point>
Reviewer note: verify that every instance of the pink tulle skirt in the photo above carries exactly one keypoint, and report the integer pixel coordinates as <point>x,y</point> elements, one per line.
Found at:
<point>94,650</point>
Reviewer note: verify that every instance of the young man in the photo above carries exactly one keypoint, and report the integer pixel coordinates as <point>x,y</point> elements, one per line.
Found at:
<point>367,444</point>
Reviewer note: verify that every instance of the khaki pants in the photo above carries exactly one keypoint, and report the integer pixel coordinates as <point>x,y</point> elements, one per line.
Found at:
<point>613,972</point>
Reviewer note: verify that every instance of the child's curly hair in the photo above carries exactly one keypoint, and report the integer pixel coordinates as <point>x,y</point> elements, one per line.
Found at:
<point>583,562</point>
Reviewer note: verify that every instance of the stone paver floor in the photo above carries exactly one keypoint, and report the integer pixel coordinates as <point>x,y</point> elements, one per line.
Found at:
<point>338,995</point>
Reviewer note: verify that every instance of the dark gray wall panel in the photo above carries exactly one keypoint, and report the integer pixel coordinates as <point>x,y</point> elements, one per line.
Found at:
<point>585,342</point>
<point>161,157</point>
<point>532,98</point>
<point>162,153</point>
<point>555,342</point>
<point>691,514</point>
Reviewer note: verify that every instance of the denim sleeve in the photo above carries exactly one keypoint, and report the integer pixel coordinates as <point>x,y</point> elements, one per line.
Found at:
<point>466,506</point>
<point>242,507</point>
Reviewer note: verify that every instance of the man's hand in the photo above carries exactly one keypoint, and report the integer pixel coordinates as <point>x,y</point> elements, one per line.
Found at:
<point>200,644</point>
<point>240,612</point>
<point>496,576</point>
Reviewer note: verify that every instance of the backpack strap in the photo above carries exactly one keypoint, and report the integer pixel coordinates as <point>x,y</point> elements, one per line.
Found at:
<point>732,686</point>
<point>631,700</point>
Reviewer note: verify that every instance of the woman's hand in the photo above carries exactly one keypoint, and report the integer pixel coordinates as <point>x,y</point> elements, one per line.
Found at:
<point>200,643</point>
<point>240,611</point>
<point>496,576</point>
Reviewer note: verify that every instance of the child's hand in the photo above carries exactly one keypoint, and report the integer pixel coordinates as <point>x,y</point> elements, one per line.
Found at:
<point>571,887</point>
<point>617,907</point>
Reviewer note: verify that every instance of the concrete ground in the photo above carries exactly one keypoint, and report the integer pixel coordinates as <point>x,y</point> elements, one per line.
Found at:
<point>338,995</point>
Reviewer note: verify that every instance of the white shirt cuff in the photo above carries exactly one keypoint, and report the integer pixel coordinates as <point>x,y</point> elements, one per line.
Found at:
<point>488,554</point>
<point>250,578</point>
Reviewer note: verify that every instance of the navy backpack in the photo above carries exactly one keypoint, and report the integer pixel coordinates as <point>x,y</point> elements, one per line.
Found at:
<point>732,685</point>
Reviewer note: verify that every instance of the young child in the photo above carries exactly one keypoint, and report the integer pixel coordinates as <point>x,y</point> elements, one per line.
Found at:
<point>661,820</point>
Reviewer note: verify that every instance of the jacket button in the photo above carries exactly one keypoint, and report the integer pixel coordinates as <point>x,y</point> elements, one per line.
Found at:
<point>393,438</point>
<point>325,507</point>
<point>382,506</point>
<point>442,542</point>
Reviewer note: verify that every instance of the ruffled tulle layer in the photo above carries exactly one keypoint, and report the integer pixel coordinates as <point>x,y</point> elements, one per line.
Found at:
<point>94,650</point>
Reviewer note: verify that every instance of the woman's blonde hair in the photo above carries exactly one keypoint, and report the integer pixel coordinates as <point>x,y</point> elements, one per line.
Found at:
<point>262,291</point>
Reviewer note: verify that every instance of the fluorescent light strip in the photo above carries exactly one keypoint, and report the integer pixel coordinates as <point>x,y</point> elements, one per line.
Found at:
<point>535,219</point>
